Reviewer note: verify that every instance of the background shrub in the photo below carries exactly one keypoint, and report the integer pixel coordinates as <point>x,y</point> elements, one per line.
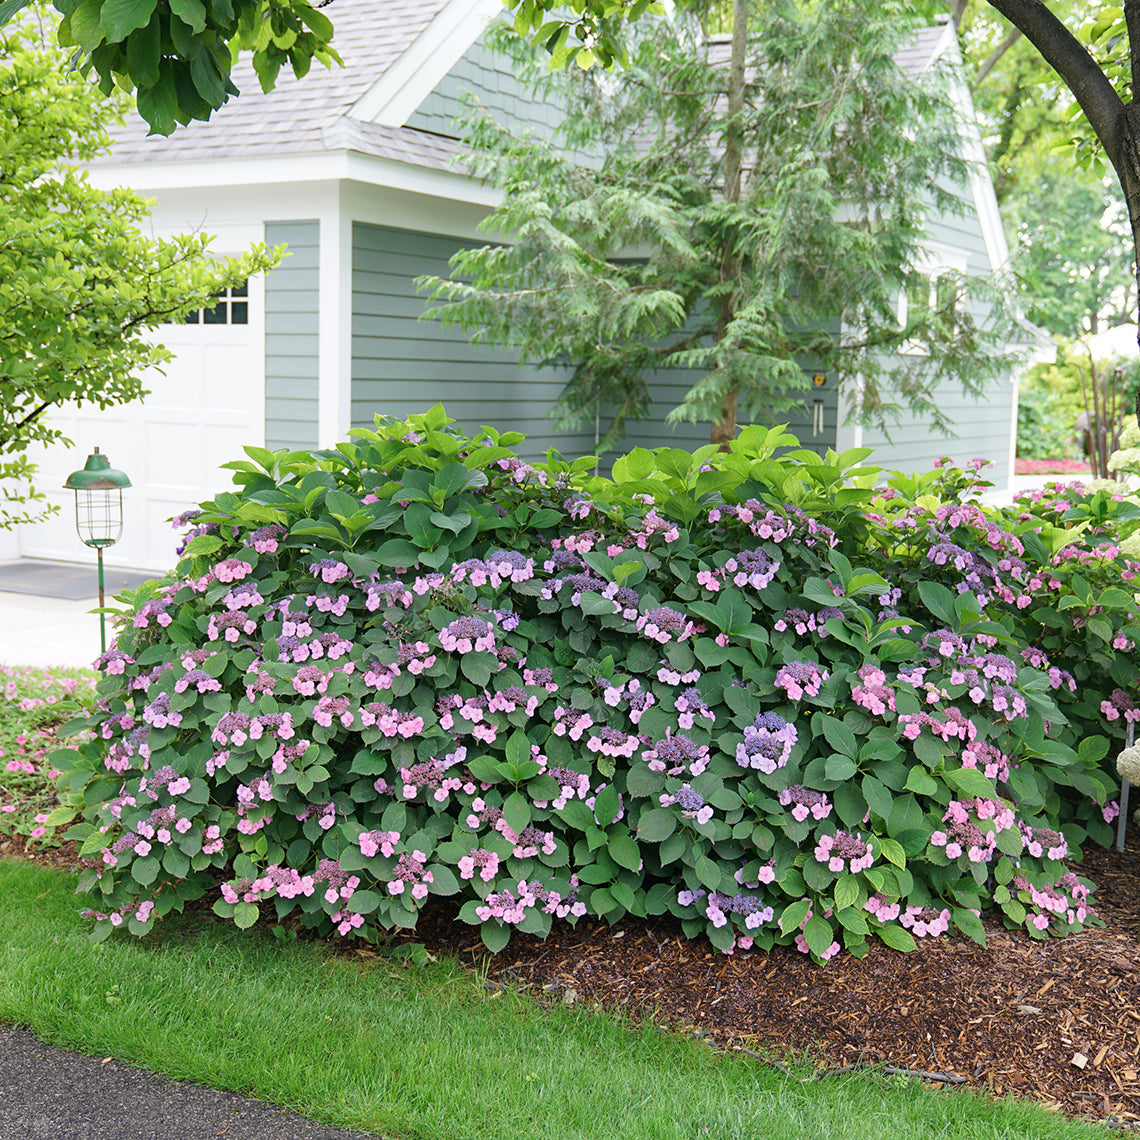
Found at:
<point>755,692</point>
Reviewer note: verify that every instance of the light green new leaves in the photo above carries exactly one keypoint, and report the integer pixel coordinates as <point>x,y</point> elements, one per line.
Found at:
<point>81,288</point>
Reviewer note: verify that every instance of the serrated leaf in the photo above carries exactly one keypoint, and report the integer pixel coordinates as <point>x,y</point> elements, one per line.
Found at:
<point>818,935</point>
<point>516,811</point>
<point>606,805</point>
<point>891,851</point>
<point>363,902</point>
<point>969,924</point>
<point>970,781</point>
<point>486,769</point>
<point>853,919</point>
<point>878,796</point>
<point>144,871</point>
<point>846,892</point>
<point>920,782</point>
<point>203,544</point>
<point>624,894</point>
<point>656,825</point>
<point>838,767</point>
<point>518,747</point>
<point>624,851</point>
<point>594,604</point>
<point>494,935</point>
<point>938,600</point>
<point>708,873</point>
<point>793,915</point>
<point>896,937</point>
<point>245,915</point>
<point>839,736</point>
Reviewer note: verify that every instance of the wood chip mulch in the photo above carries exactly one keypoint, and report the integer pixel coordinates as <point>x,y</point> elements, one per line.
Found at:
<point>1056,1020</point>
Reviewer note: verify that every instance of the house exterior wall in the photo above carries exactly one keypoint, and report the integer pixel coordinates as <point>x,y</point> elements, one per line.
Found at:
<point>669,387</point>
<point>485,75</point>
<point>983,427</point>
<point>203,407</point>
<point>403,365</point>
<point>292,337</point>
<point>955,241</point>
<point>212,399</point>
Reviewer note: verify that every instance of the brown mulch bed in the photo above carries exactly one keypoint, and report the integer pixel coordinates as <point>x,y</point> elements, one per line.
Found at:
<point>1055,1020</point>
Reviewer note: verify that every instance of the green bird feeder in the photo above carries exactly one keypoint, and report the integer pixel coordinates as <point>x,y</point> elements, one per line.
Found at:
<point>98,513</point>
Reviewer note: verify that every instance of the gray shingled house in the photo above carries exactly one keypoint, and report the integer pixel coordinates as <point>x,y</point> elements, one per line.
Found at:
<point>354,169</point>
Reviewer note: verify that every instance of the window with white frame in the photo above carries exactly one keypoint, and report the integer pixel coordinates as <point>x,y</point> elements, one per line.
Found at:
<point>229,308</point>
<point>936,290</point>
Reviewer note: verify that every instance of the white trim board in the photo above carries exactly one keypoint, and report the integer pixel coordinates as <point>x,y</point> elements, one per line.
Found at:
<point>327,166</point>
<point>414,75</point>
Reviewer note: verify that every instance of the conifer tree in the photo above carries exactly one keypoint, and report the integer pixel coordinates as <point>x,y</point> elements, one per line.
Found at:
<point>750,208</point>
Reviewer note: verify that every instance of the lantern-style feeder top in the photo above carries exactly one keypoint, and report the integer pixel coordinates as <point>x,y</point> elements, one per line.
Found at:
<point>97,475</point>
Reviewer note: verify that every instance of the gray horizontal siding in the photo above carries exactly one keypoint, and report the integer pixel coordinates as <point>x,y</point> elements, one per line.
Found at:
<point>485,76</point>
<point>981,430</point>
<point>668,389</point>
<point>402,365</point>
<point>292,337</point>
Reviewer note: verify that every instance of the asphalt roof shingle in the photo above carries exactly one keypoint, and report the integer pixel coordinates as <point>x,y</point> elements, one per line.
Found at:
<point>309,115</point>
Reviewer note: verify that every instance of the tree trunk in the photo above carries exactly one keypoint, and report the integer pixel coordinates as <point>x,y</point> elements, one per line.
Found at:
<point>1117,125</point>
<point>724,426</point>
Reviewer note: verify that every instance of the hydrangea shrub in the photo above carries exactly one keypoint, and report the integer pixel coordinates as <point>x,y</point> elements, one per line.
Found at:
<point>743,689</point>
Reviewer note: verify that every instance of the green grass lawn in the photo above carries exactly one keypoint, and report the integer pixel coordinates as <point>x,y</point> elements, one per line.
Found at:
<point>424,1052</point>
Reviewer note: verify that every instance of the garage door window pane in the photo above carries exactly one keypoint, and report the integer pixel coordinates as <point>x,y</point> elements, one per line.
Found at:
<point>226,311</point>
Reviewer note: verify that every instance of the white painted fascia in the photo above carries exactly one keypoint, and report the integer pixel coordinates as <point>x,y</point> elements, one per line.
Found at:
<point>408,81</point>
<point>981,184</point>
<point>974,152</point>
<point>455,186</point>
<point>334,349</point>
<point>326,166</point>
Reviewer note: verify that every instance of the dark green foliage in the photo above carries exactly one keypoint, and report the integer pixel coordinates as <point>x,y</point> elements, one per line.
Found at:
<point>668,691</point>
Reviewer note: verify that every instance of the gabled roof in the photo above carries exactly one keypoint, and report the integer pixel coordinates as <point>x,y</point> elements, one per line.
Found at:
<point>914,56</point>
<point>315,114</point>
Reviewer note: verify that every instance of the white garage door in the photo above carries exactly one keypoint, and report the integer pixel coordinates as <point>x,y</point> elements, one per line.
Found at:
<point>208,405</point>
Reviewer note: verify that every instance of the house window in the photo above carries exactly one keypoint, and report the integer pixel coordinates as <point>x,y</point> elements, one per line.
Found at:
<point>231,308</point>
<point>933,299</point>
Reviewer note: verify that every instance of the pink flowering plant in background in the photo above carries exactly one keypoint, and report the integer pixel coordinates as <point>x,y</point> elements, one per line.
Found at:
<point>419,665</point>
<point>33,703</point>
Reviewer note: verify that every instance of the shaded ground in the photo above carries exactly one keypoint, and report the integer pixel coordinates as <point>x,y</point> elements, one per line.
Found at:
<point>1057,1020</point>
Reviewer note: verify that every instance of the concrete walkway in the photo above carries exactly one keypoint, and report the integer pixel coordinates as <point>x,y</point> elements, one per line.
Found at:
<point>46,609</point>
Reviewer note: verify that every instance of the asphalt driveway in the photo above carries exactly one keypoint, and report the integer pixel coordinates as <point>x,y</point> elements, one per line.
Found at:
<point>50,1094</point>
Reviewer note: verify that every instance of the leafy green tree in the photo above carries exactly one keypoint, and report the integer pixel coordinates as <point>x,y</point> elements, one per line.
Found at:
<point>1069,235</point>
<point>1095,52</point>
<point>1066,221</point>
<point>81,288</point>
<point>745,217</point>
<point>176,55</point>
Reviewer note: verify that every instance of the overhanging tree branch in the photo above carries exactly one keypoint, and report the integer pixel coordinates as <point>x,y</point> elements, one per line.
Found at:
<point>1081,73</point>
